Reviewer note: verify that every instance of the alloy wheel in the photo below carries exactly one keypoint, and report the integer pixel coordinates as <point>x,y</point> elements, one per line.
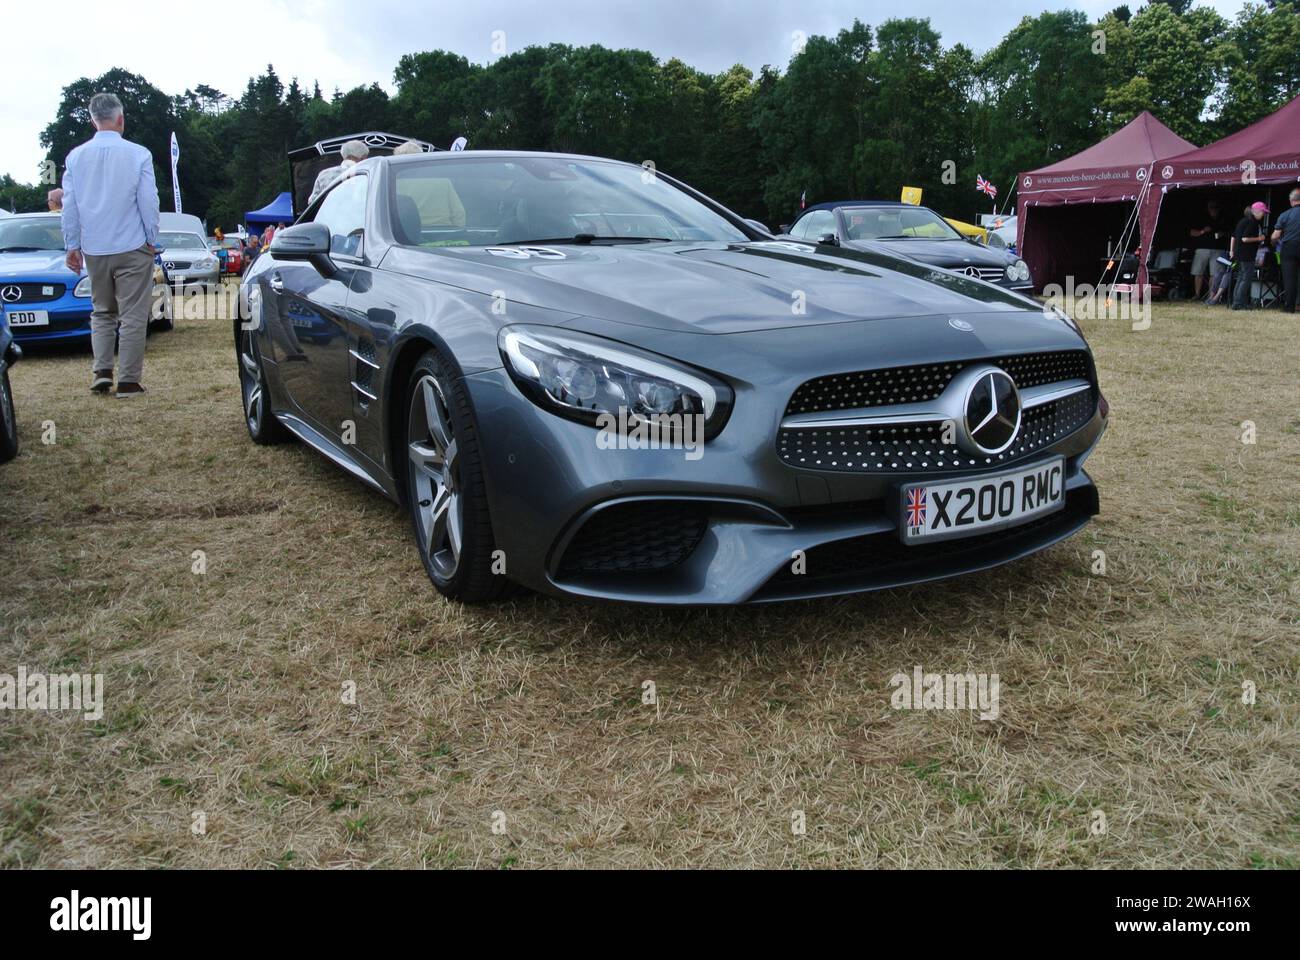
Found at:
<point>250,379</point>
<point>435,488</point>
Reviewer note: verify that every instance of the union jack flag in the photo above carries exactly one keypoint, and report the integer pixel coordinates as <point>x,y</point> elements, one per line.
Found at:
<point>916,507</point>
<point>983,186</point>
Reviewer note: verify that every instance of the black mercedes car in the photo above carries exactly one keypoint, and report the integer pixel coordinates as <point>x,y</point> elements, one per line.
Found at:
<point>911,231</point>
<point>589,379</point>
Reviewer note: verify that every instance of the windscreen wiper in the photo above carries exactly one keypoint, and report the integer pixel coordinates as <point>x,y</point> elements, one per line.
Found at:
<point>24,249</point>
<point>587,238</point>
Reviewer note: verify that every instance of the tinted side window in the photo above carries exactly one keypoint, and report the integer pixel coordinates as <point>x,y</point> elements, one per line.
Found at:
<point>816,225</point>
<point>344,211</point>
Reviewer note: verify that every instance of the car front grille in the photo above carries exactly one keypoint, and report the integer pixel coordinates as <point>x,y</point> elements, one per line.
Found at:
<point>642,536</point>
<point>903,449</point>
<point>991,274</point>
<point>915,384</point>
<point>914,443</point>
<point>35,292</point>
<point>177,264</point>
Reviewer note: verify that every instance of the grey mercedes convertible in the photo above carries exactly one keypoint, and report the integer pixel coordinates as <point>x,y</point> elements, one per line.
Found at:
<point>589,379</point>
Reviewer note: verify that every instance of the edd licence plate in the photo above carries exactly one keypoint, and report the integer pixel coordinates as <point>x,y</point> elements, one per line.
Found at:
<point>28,318</point>
<point>962,508</point>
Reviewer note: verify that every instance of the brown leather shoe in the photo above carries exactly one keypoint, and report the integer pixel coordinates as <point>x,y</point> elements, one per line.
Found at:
<point>129,390</point>
<point>102,381</point>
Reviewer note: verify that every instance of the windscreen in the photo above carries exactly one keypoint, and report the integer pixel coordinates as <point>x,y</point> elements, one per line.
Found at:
<point>490,201</point>
<point>34,233</point>
<point>897,223</point>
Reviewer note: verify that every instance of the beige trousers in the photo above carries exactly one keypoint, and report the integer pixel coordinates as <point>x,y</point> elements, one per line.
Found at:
<point>120,289</point>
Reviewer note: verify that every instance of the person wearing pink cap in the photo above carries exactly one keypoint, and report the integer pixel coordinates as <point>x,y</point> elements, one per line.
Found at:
<point>1250,233</point>
<point>1286,234</point>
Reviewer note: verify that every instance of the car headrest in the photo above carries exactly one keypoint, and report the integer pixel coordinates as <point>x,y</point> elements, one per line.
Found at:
<point>408,221</point>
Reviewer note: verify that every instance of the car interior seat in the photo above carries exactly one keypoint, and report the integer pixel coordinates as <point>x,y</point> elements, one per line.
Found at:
<point>410,228</point>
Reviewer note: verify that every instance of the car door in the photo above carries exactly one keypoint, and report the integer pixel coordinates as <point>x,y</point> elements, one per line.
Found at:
<point>311,310</point>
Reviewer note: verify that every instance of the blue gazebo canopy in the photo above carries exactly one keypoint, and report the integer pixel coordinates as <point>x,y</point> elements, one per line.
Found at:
<point>279,210</point>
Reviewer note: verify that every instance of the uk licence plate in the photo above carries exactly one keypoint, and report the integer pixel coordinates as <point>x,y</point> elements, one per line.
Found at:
<point>28,318</point>
<point>962,508</point>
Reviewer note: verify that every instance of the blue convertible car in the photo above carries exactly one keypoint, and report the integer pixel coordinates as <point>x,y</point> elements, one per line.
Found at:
<point>45,301</point>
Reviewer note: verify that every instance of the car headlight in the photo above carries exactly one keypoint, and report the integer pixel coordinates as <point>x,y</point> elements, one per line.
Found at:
<point>82,289</point>
<point>581,377</point>
<point>206,263</point>
<point>1018,272</point>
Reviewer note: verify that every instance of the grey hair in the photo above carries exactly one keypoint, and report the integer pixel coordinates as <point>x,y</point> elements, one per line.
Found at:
<point>410,146</point>
<point>105,108</point>
<point>354,150</point>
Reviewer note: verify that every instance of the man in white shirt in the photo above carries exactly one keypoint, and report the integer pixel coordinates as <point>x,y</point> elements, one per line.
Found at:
<point>110,225</point>
<point>352,152</point>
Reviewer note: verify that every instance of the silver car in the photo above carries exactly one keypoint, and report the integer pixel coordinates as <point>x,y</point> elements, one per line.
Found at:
<point>187,259</point>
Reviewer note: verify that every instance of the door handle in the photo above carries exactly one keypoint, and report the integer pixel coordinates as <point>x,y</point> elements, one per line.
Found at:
<point>277,284</point>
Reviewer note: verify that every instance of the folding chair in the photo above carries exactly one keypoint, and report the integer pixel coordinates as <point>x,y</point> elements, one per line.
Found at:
<point>1270,280</point>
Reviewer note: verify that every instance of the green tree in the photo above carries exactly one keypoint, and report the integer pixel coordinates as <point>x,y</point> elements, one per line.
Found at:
<point>1262,64</point>
<point>435,99</point>
<point>150,118</point>
<point>1039,91</point>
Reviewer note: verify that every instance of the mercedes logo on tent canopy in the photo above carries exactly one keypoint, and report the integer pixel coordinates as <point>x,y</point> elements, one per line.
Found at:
<point>11,294</point>
<point>991,410</point>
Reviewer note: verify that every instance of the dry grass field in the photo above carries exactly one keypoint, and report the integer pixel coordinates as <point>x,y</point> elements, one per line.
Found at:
<point>1120,693</point>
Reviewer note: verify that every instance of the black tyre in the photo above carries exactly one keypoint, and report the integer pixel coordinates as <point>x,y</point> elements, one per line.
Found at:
<point>445,492</point>
<point>164,310</point>
<point>262,425</point>
<point>8,421</point>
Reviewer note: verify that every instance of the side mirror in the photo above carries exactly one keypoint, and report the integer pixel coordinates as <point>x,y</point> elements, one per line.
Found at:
<point>785,228</point>
<point>308,242</point>
<point>760,227</point>
<point>828,239</point>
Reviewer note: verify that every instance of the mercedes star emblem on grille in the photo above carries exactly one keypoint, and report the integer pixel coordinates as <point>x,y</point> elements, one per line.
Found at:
<point>972,272</point>
<point>992,411</point>
<point>11,294</point>
<point>169,265</point>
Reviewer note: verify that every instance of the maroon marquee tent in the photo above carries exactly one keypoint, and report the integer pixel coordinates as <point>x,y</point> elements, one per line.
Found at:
<point>1069,211</point>
<point>1264,154</point>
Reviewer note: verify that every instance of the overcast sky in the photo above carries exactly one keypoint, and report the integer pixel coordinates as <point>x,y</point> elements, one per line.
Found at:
<point>344,43</point>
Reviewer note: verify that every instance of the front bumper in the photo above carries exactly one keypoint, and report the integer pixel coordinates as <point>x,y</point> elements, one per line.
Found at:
<point>69,320</point>
<point>191,276</point>
<point>739,514</point>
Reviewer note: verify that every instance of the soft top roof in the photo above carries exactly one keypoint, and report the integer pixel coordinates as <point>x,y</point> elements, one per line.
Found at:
<point>836,204</point>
